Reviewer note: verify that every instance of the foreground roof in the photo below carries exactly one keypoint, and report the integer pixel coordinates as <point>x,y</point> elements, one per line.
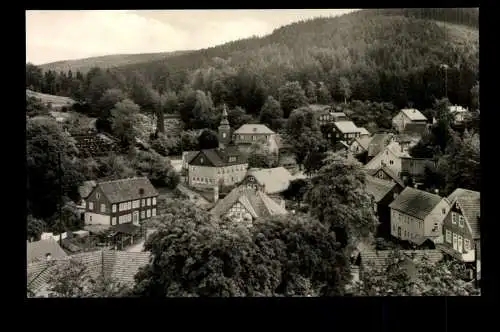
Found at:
<point>121,266</point>
<point>416,203</point>
<point>37,251</point>
<point>257,203</point>
<point>127,189</point>
<point>275,180</point>
<point>253,129</point>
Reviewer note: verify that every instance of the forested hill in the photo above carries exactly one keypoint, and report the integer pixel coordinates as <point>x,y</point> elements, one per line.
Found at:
<point>106,61</point>
<point>391,55</point>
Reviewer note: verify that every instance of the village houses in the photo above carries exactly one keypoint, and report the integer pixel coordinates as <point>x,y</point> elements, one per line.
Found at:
<point>417,216</point>
<point>461,225</point>
<point>345,131</point>
<point>130,200</point>
<point>246,204</point>
<point>391,157</point>
<point>409,120</point>
<point>249,134</point>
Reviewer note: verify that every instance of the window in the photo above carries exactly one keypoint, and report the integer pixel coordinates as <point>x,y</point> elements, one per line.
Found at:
<point>461,221</point>
<point>129,205</point>
<point>148,202</point>
<point>460,243</point>
<point>154,200</point>
<point>448,236</point>
<point>201,160</point>
<point>143,214</point>
<point>391,162</point>
<point>254,138</point>
<point>454,241</point>
<point>103,208</point>
<point>97,195</point>
<point>154,212</point>
<point>91,205</point>
<point>113,221</point>
<point>136,204</point>
<point>466,244</point>
<point>454,218</point>
<point>444,211</point>
<point>113,207</point>
<point>148,213</point>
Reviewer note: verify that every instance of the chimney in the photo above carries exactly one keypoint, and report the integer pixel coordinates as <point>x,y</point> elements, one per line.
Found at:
<point>216,194</point>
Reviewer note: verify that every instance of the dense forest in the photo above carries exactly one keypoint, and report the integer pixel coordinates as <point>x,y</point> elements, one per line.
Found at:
<point>378,55</point>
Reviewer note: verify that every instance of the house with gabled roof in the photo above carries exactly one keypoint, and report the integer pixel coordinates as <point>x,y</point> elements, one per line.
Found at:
<point>461,225</point>
<point>409,116</point>
<point>215,167</point>
<point>378,142</point>
<point>119,266</point>
<point>390,156</point>
<point>383,193</point>
<point>385,173</point>
<point>360,145</point>
<point>272,181</point>
<point>249,134</point>
<point>417,216</point>
<point>130,200</point>
<point>345,131</point>
<point>246,204</point>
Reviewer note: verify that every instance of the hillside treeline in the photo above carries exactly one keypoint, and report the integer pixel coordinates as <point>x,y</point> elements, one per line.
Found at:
<point>378,55</point>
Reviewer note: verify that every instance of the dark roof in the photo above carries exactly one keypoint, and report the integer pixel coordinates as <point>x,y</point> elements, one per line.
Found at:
<point>415,128</point>
<point>121,266</point>
<point>220,157</point>
<point>86,188</point>
<point>256,202</point>
<point>389,173</point>
<point>381,258</point>
<point>378,142</point>
<point>470,203</point>
<point>416,203</point>
<point>37,251</point>
<point>127,189</point>
<point>378,188</point>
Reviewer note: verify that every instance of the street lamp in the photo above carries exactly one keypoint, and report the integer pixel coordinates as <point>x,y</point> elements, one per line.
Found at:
<point>445,67</point>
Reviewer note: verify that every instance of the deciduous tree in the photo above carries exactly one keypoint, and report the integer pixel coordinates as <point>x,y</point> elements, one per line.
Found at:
<point>291,96</point>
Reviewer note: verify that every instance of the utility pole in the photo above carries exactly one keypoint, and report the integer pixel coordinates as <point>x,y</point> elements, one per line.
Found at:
<point>59,171</point>
<point>445,67</point>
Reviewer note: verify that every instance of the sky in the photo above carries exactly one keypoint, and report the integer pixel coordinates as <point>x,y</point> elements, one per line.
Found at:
<point>66,35</point>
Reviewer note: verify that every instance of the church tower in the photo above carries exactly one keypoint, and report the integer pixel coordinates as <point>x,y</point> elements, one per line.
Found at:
<point>224,129</point>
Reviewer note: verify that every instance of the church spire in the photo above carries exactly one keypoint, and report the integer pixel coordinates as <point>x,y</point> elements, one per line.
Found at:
<point>224,129</point>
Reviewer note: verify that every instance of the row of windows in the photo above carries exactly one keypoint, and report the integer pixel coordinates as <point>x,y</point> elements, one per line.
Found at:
<point>455,217</point>
<point>457,241</point>
<point>404,233</point>
<point>128,217</point>
<point>126,205</point>
<point>407,220</point>
<point>247,137</point>
<point>229,169</point>
<point>211,181</point>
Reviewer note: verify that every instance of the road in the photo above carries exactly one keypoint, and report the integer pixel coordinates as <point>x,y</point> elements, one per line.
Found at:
<point>137,247</point>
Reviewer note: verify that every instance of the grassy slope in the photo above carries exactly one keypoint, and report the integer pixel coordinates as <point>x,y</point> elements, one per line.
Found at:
<point>46,98</point>
<point>107,61</point>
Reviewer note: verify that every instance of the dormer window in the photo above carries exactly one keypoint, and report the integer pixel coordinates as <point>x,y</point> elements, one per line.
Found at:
<point>201,160</point>
<point>97,195</point>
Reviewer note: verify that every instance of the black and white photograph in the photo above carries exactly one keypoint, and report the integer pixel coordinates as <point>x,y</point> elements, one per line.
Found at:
<point>253,153</point>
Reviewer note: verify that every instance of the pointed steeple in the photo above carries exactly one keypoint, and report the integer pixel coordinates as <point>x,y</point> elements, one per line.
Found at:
<point>224,129</point>
<point>224,121</point>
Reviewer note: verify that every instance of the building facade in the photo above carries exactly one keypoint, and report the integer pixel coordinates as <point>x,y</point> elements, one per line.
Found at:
<point>408,116</point>
<point>121,201</point>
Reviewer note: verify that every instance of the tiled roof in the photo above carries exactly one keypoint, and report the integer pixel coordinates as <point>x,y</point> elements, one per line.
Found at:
<point>470,203</point>
<point>256,202</point>
<point>220,157</point>
<point>37,251</point>
<point>346,127</point>
<point>127,189</point>
<point>381,258</point>
<point>378,188</point>
<point>121,266</point>
<point>462,192</point>
<point>416,203</point>
<point>414,114</point>
<point>364,142</point>
<point>253,129</point>
<point>275,180</point>
<point>86,188</point>
<point>378,142</point>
